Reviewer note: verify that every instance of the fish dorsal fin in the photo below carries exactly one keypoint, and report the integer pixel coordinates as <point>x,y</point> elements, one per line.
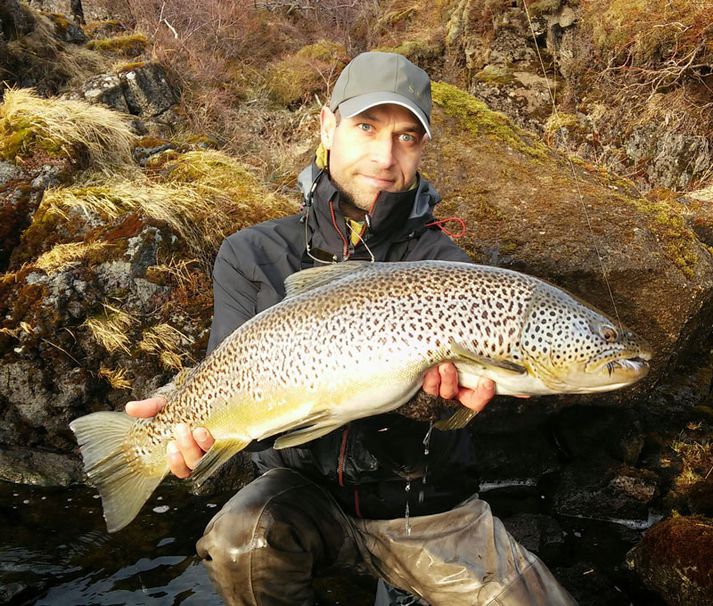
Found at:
<point>309,279</point>
<point>485,361</point>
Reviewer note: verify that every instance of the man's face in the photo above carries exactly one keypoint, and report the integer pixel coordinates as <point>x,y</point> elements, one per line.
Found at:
<point>378,149</point>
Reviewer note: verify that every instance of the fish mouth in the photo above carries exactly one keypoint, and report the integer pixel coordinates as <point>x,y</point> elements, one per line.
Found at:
<point>637,366</point>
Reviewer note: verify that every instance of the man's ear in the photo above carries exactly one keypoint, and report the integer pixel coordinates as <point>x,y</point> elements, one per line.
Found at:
<point>328,124</point>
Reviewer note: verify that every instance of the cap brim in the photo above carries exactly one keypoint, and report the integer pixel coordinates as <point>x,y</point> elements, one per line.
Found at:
<point>356,105</point>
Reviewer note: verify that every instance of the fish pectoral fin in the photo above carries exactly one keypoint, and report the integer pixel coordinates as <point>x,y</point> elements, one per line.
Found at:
<point>301,436</point>
<point>485,361</point>
<point>219,453</point>
<point>314,277</point>
<point>458,420</point>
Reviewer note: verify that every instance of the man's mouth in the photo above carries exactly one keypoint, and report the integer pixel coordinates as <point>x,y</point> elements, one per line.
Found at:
<point>378,182</point>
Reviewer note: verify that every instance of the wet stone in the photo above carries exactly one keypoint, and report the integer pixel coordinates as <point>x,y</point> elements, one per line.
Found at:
<point>538,533</point>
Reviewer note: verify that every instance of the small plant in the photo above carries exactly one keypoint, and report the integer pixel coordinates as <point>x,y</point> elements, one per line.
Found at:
<point>29,123</point>
<point>62,255</point>
<point>110,328</point>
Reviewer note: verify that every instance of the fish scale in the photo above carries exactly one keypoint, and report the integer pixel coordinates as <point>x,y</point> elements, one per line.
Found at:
<point>352,340</point>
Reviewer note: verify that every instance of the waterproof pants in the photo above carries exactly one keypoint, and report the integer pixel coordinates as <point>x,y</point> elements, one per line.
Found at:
<point>275,535</point>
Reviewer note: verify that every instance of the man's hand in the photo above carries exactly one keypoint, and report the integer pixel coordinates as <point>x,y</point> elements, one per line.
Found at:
<point>442,380</point>
<point>186,450</point>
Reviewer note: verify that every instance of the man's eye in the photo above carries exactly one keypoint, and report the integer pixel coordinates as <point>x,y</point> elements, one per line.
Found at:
<point>364,126</point>
<point>407,138</point>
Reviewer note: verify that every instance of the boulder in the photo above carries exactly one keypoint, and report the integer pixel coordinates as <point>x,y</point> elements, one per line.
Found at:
<point>529,208</point>
<point>674,559</point>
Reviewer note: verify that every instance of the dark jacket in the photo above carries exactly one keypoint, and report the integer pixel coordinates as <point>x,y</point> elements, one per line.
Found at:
<point>368,463</point>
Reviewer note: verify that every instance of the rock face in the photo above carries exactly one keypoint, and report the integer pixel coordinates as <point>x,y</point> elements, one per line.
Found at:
<point>584,230</point>
<point>142,90</point>
<point>674,558</point>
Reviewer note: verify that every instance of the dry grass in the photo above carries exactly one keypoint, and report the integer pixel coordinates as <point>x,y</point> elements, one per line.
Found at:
<point>116,378</point>
<point>62,255</point>
<point>696,460</point>
<point>165,341</point>
<point>42,57</point>
<point>110,328</point>
<point>29,123</point>
<point>204,197</point>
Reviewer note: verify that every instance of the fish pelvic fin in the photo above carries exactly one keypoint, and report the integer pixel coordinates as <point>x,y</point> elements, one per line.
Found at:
<point>222,450</point>
<point>301,436</point>
<point>485,361</point>
<point>314,277</point>
<point>458,420</point>
<point>124,487</point>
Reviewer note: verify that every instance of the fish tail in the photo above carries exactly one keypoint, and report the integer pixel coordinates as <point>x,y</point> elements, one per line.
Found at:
<point>124,484</point>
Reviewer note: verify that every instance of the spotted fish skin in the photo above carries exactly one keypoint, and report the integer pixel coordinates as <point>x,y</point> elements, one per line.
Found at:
<point>353,340</point>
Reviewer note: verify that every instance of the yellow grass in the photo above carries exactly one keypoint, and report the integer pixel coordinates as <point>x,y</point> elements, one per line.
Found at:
<point>110,329</point>
<point>163,340</point>
<point>116,378</point>
<point>29,123</point>
<point>204,197</point>
<point>63,255</point>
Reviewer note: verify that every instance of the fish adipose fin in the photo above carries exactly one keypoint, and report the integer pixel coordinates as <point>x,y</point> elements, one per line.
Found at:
<point>124,488</point>
<point>314,277</point>
<point>222,450</point>
<point>458,420</point>
<point>296,438</point>
<point>485,361</point>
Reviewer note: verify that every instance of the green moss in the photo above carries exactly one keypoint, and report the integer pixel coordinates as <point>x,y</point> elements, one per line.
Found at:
<point>130,67</point>
<point>129,45</point>
<point>679,242</point>
<point>324,50</point>
<point>495,75</point>
<point>543,7</point>
<point>418,51</point>
<point>298,77</point>
<point>480,120</point>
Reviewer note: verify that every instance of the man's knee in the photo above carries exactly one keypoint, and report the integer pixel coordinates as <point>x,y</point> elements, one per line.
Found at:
<point>245,522</point>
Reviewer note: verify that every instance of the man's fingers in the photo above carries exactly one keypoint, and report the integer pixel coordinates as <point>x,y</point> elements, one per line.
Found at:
<point>477,399</point>
<point>449,381</point>
<point>431,381</point>
<point>176,462</point>
<point>203,438</point>
<point>145,408</point>
<point>188,446</point>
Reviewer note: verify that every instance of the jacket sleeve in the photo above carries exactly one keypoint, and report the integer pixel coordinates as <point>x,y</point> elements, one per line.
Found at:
<point>234,294</point>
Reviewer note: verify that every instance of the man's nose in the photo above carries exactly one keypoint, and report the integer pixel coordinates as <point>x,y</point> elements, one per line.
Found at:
<point>382,151</point>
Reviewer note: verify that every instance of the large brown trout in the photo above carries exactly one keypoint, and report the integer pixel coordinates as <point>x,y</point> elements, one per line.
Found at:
<point>353,340</point>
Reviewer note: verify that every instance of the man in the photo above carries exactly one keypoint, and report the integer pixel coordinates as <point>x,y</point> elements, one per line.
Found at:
<point>385,494</point>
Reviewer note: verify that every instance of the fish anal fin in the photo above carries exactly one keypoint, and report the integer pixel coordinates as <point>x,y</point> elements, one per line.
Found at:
<point>222,450</point>
<point>485,361</point>
<point>301,436</point>
<point>458,420</point>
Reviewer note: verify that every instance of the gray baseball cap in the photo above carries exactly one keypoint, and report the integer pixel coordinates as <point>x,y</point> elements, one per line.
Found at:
<point>376,78</point>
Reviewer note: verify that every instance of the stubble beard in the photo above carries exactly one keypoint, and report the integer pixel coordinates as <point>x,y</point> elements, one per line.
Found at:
<point>350,205</point>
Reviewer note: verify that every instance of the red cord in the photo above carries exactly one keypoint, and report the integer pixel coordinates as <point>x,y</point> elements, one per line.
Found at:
<point>441,222</point>
<point>342,451</point>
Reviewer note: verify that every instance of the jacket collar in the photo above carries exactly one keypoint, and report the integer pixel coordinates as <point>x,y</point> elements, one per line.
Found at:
<point>394,217</point>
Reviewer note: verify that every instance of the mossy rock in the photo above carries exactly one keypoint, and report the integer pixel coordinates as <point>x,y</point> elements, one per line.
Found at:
<point>310,71</point>
<point>674,559</point>
<point>129,45</point>
<point>530,208</point>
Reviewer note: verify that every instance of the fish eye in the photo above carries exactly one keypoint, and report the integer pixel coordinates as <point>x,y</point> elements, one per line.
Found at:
<point>608,333</point>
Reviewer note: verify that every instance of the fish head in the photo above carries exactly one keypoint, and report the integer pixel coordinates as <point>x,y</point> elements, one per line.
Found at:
<point>574,348</point>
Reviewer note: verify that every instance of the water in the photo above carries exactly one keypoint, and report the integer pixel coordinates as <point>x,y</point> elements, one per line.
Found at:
<point>54,549</point>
